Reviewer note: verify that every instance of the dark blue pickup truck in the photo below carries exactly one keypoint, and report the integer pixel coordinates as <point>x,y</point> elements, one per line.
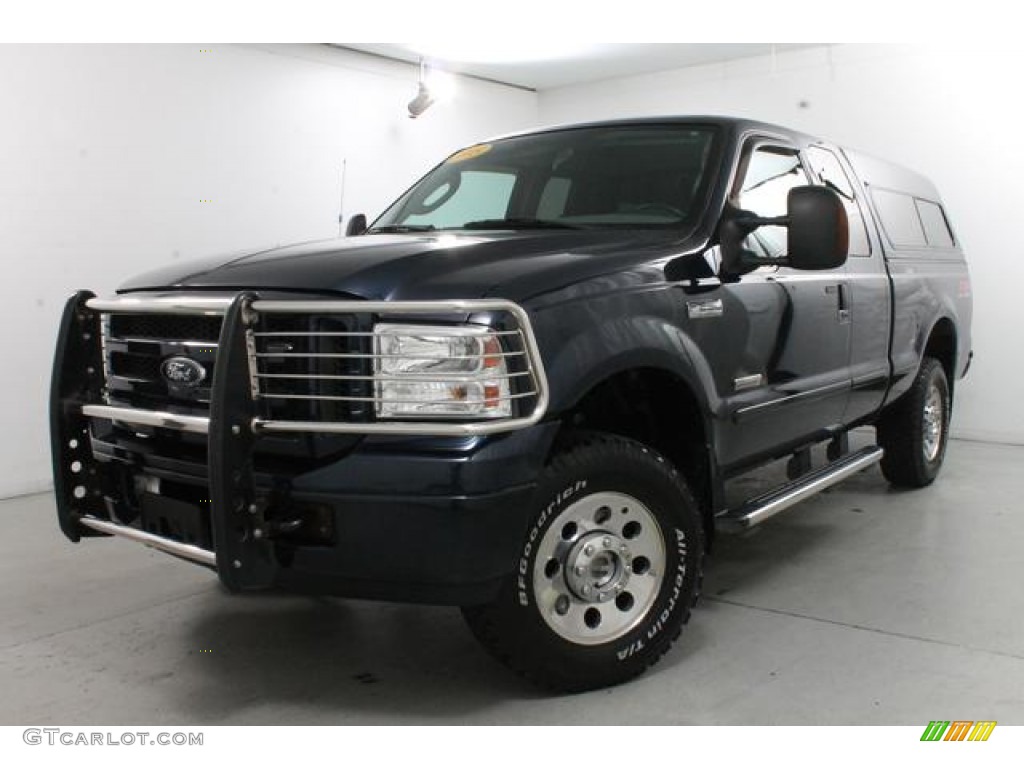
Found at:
<point>523,389</point>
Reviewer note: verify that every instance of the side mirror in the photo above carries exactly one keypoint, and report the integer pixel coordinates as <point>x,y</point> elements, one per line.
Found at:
<point>356,225</point>
<point>818,238</point>
<point>819,232</point>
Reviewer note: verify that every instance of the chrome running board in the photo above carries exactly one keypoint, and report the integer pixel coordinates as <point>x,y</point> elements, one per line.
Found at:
<point>760,508</point>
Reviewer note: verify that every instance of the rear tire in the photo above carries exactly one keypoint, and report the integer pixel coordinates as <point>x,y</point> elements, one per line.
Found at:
<point>914,430</point>
<point>607,572</point>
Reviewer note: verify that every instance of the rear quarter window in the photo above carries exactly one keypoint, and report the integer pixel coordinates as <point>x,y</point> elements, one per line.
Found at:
<point>900,220</point>
<point>936,227</point>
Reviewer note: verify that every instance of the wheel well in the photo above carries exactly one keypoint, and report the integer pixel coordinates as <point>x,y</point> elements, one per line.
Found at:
<point>942,346</point>
<point>657,408</point>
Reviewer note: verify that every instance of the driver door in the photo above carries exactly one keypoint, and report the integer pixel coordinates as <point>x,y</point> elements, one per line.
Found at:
<point>787,381</point>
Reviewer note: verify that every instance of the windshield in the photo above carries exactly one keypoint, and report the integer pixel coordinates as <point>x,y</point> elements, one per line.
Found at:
<point>614,176</point>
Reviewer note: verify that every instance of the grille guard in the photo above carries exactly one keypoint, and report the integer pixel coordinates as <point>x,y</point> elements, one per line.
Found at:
<point>242,557</point>
<point>252,304</point>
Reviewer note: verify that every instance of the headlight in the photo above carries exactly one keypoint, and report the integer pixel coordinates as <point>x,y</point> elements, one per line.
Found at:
<point>440,371</point>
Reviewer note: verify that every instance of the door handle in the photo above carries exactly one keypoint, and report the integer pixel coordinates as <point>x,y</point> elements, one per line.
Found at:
<point>842,292</point>
<point>844,303</point>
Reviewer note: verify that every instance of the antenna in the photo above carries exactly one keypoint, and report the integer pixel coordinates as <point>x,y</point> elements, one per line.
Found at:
<point>341,201</point>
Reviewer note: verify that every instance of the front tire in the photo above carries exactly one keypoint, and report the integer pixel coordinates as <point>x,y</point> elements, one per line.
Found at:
<point>914,431</point>
<point>607,573</point>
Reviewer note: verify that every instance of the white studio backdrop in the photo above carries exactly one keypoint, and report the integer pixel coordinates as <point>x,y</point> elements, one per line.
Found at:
<point>950,113</point>
<point>108,152</point>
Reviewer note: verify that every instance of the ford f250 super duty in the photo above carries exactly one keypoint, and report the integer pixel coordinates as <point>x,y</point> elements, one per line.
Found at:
<point>523,389</point>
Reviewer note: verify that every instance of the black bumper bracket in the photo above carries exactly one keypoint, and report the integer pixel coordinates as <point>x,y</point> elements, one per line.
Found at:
<point>245,558</point>
<point>77,379</point>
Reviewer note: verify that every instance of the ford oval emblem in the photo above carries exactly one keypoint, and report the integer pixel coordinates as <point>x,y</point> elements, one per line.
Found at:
<point>182,371</point>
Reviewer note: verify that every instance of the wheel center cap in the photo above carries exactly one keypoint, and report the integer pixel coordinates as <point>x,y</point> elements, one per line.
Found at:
<point>598,566</point>
<point>603,568</point>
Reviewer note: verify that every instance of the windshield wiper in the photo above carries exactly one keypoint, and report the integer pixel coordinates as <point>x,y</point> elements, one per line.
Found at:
<point>398,229</point>
<point>517,223</point>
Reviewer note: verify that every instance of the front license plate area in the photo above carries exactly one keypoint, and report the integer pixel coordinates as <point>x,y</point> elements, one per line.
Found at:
<point>176,520</point>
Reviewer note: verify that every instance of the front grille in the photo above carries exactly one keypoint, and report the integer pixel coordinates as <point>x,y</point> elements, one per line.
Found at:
<point>302,361</point>
<point>309,367</point>
<point>166,327</point>
<point>139,367</point>
<point>136,347</point>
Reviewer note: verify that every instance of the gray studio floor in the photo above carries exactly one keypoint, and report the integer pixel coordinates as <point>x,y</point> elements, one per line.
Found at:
<point>862,606</point>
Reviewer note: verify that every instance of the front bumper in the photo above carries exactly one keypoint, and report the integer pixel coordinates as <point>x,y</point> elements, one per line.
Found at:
<point>408,517</point>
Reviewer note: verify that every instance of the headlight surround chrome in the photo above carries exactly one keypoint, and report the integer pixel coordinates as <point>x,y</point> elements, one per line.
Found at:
<point>428,371</point>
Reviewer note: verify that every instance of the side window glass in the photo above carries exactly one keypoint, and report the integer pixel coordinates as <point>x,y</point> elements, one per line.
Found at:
<point>827,170</point>
<point>899,218</point>
<point>936,228</point>
<point>770,174</point>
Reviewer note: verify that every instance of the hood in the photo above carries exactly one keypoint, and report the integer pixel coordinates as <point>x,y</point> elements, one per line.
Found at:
<point>511,265</point>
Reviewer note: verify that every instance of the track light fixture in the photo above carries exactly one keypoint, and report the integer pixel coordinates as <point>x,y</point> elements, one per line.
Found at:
<point>424,98</point>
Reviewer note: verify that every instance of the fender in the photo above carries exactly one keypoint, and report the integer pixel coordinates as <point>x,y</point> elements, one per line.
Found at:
<point>594,352</point>
<point>579,358</point>
<point>903,379</point>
